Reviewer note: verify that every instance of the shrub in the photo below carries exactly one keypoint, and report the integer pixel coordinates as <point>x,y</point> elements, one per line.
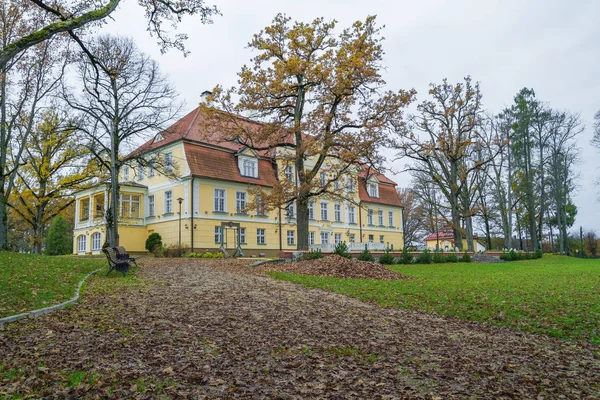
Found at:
<point>438,257</point>
<point>386,258</point>
<point>313,255</point>
<point>406,257</point>
<point>59,239</point>
<point>341,249</point>
<point>424,257</point>
<point>452,258</point>
<point>154,244</point>
<point>173,251</point>
<point>366,255</point>
<point>466,258</point>
<point>539,253</point>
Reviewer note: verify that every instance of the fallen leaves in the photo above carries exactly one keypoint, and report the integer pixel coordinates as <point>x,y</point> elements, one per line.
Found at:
<point>203,329</point>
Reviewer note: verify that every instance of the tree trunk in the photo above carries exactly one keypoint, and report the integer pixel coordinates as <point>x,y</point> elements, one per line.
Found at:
<point>3,157</point>
<point>302,222</point>
<point>469,229</point>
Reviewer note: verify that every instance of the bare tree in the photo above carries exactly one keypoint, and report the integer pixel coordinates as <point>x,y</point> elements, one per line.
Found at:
<point>66,16</point>
<point>591,243</point>
<point>123,97</point>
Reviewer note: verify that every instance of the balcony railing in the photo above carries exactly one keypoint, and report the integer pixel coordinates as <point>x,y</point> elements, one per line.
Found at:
<point>356,246</point>
<point>96,221</point>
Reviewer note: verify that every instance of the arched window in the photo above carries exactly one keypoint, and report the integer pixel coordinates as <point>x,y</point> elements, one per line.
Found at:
<point>81,244</point>
<point>96,242</point>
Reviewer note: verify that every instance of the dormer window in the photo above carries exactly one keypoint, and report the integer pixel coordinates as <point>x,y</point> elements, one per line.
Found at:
<point>158,138</point>
<point>373,189</point>
<point>289,173</point>
<point>249,168</point>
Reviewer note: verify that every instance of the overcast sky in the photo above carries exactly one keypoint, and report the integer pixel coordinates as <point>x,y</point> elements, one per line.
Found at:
<point>550,46</point>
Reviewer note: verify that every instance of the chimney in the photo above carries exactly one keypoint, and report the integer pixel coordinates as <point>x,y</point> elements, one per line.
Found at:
<point>204,96</point>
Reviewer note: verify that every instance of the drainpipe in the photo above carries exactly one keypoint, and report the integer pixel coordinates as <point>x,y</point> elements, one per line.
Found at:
<point>280,233</point>
<point>192,216</point>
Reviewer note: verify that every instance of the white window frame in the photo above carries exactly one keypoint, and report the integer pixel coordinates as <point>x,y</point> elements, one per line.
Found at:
<point>168,202</point>
<point>337,212</point>
<point>291,238</point>
<point>290,210</point>
<point>382,239</point>
<point>249,167</point>
<point>151,205</point>
<point>380,217</point>
<point>218,234</point>
<point>241,201</point>
<point>81,244</point>
<point>126,173</point>
<point>311,237</point>
<point>96,241</point>
<point>140,172</point>
<point>352,238</point>
<point>371,238</point>
<point>370,219</point>
<point>128,198</point>
<point>337,238</point>
<point>324,237</point>
<point>373,189</point>
<point>350,184</point>
<point>311,210</point>
<point>168,162</point>
<point>290,175</point>
<point>260,236</point>
<point>324,211</point>
<point>242,233</point>
<point>391,219</point>
<point>219,200</point>
<point>150,169</point>
<point>351,214</point>
<point>323,179</point>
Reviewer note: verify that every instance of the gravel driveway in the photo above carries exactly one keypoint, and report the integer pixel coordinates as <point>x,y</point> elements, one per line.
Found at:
<point>186,329</point>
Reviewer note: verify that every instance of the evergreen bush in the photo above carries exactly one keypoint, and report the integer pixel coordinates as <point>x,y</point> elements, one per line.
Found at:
<point>59,240</point>
<point>452,258</point>
<point>466,258</point>
<point>386,258</point>
<point>406,257</point>
<point>313,255</point>
<point>438,257</point>
<point>154,244</point>
<point>366,255</point>
<point>424,257</point>
<point>341,249</point>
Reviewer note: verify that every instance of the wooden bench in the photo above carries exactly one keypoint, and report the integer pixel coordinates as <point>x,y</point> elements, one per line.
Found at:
<point>114,262</point>
<point>124,255</point>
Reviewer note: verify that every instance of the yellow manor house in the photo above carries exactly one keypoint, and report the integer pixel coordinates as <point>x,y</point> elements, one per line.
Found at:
<point>202,208</point>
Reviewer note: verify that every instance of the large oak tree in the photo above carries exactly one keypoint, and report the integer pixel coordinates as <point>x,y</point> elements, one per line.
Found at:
<point>322,102</point>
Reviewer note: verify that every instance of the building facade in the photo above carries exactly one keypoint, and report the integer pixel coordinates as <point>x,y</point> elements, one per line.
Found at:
<point>213,183</point>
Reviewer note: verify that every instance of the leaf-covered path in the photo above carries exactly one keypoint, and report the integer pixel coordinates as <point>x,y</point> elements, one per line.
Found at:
<point>189,330</point>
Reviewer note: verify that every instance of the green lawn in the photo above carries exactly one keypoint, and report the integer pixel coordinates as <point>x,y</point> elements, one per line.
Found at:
<point>29,282</point>
<point>555,295</point>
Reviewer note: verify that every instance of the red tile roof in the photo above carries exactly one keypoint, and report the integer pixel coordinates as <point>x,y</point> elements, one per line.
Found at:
<point>446,233</point>
<point>387,195</point>
<point>221,164</point>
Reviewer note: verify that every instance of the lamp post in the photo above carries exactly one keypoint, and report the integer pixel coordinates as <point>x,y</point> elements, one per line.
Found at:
<point>180,200</point>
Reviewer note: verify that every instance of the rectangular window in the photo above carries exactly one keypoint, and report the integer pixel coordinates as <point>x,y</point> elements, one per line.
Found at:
<point>260,236</point>
<point>380,217</point>
<point>168,162</point>
<point>337,212</point>
<point>150,169</point>
<point>218,234</point>
<point>81,241</point>
<point>168,202</point>
<point>290,238</point>
<point>125,173</point>
<point>373,189</point>
<point>381,239</point>
<point>311,210</point>
<point>371,238</point>
<point>391,218</point>
<point>351,214</point>
<point>311,237</point>
<point>352,237</point>
<point>336,184</point>
<point>324,211</point>
<point>337,238</point>
<point>96,242</point>
<point>151,205</point>
<point>350,184</point>
<point>219,200</point>
<point>240,202</point>
<point>323,178</point>
<point>242,235</point>
<point>84,209</point>
<point>324,237</point>
<point>261,208</point>
<point>140,172</point>
<point>130,205</point>
<point>370,217</point>
<point>289,173</point>
<point>249,168</point>
<point>290,211</point>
